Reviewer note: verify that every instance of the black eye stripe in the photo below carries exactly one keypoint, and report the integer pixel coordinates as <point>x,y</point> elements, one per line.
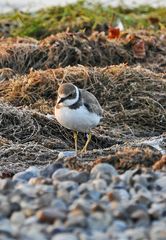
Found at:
<point>72,95</point>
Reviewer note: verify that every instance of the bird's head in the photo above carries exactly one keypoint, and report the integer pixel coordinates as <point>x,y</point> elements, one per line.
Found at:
<point>68,94</point>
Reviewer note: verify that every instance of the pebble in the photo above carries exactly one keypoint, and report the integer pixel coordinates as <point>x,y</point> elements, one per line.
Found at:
<point>64,236</point>
<point>56,203</point>
<point>158,230</point>
<point>95,235</point>
<point>103,171</point>
<point>17,218</point>
<point>67,185</point>
<point>6,184</point>
<point>31,172</point>
<point>50,215</point>
<point>65,174</point>
<point>50,169</point>
<point>137,233</point>
<point>6,226</point>
<point>118,226</point>
<point>99,185</point>
<point>161,183</point>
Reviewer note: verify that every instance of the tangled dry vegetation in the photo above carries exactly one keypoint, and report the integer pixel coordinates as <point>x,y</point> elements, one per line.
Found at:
<point>130,85</point>
<point>64,49</point>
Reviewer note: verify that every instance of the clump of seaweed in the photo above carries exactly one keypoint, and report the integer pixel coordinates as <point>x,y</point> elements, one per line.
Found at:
<point>18,157</point>
<point>160,164</point>
<point>133,98</point>
<point>24,126</point>
<point>6,74</point>
<point>121,157</point>
<point>69,49</point>
<point>30,138</point>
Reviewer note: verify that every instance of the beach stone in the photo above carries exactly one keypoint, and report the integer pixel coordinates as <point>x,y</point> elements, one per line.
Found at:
<point>161,183</point>
<point>56,228</point>
<point>6,184</point>
<point>33,233</point>
<point>82,204</point>
<point>40,180</point>
<point>50,169</point>
<point>87,190</point>
<point>17,218</point>
<point>143,197</point>
<point>65,174</point>
<point>32,220</point>
<point>50,215</point>
<point>5,237</point>
<point>64,196</point>
<point>64,236</point>
<point>140,218</point>
<point>119,236</point>
<point>118,226</point>
<point>119,212</point>
<point>5,226</point>
<point>67,185</point>
<point>4,206</point>
<point>158,230</point>
<point>7,207</point>
<point>120,195</point>
<point>99,185</point>
<point>31,172</point>
<point>74,220</point>
<point>158,210</point>
<point>137,233</point>
<point>103,171</point>
<point>99,221</point>
<point>140,179</point>
<point>93,195</point>
<point>94,235</point>
<point>59,204</point>
<point>127,177</point>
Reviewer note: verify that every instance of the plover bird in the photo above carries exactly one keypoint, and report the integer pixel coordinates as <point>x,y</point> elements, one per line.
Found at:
<point>77,110</point>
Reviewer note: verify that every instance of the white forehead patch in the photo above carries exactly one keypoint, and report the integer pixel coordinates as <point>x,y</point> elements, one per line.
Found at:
<point>62,95</point>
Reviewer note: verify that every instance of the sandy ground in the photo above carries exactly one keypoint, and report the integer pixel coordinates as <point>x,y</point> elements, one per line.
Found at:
<point>32,5</point>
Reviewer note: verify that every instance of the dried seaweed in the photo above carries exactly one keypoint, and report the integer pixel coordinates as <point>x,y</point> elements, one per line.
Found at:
<point>66,49</point>
<point>133,98</point>
<point>160,164</point>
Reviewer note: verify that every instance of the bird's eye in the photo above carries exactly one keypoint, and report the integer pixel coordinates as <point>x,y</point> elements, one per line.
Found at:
<point>71,95</point>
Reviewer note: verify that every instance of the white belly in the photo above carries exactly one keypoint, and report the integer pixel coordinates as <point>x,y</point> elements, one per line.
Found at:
<point>77,119</point>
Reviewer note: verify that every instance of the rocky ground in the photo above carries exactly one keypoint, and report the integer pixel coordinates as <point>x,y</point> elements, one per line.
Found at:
<point>57,203</point>
<point>117,189</point>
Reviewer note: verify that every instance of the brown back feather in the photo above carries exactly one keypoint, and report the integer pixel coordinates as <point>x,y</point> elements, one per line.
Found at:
<point>91,102</point>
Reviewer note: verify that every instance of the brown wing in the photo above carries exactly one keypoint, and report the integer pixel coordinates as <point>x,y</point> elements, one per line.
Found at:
<point>90,102</point>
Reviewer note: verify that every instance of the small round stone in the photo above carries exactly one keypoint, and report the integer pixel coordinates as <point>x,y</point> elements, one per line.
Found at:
<point>31,172</point>
<point>17,218</point>
<point>65,174</point>
<point>50,169</point>
<point>103,171</point>
<point>161,183</point>
<point>99,185</point>
<point>64,236</point>
<point>6,184</point>
<point>50,215</point>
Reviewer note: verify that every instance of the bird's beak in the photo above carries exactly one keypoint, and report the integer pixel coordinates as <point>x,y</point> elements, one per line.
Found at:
<point>60,100</point>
